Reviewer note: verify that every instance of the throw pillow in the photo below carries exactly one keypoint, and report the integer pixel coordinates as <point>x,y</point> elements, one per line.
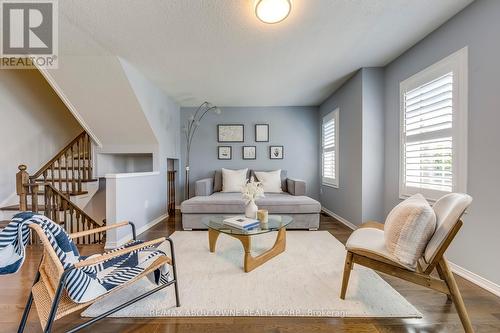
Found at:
<point>271,180</point>
<point>233,180</point>
<point>284,185</point>
<point>408,228</point>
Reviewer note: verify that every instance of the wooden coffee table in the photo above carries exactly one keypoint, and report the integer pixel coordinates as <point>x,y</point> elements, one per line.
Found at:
<point>277,223</point>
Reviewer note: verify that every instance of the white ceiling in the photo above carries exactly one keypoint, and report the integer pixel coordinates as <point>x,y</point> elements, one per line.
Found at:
<point>217,50</point>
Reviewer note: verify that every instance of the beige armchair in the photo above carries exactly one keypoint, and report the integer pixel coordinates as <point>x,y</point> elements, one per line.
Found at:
<point>366,247</point>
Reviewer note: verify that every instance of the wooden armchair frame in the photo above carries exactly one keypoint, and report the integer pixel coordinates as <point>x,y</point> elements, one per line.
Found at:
<point>51,299</point>
<point>445,283</point>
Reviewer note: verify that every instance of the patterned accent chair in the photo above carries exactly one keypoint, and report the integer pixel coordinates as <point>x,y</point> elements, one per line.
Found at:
<point>50,294</point>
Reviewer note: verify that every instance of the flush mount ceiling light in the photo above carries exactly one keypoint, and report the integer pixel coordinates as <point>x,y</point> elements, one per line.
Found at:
<point>272,11</point>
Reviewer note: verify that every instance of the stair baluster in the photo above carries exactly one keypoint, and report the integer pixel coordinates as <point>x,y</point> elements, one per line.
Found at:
<point>59,181</point>
<point>59,175</point>
<point>52,173</point>
<point>79,165</point>
<point>34,198</point>
<point>89,170</point>
<point>66,174</point>
<point>84,143</point>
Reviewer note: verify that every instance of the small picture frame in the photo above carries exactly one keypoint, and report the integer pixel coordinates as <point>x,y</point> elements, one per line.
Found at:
<point>276,152</point>
<point>262,133</point>
<point>249,152</point>
<point>224,152</point>
<point>230,133</point>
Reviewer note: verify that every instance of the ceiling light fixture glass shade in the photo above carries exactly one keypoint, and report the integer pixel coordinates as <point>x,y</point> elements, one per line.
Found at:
<point>272,11</point>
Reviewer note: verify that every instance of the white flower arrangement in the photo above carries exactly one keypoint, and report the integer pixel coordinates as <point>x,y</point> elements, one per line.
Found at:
<point>252,191</point>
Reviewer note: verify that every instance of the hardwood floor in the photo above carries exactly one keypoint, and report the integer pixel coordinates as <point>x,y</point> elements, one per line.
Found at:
<point>439,315</point>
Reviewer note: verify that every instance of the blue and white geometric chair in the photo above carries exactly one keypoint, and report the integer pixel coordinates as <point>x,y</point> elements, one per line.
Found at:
<point>54,291</point>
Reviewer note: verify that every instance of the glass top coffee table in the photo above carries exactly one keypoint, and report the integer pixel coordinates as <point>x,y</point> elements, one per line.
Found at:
<point>277,223</point>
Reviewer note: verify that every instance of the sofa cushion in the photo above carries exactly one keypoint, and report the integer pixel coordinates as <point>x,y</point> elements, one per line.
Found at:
<point>232,203</point>
<point>233,180</point>
<point>271,181</point>
<point>218,180</point>
<point>283,177</point>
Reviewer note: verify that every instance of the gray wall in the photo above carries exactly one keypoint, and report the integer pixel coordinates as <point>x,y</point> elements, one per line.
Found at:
<point>293,127</point>
<point>34,126</point>
<point>373,145</point>
<point>359,196</point>
<point>346,200</point>
<point>162,115</point>
<point>478,26</point>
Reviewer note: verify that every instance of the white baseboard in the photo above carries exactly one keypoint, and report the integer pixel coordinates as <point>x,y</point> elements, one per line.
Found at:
<point>476,279</point>
<point>123,240</point>
<point>152,223</point>
<point>340,218</point>
<point>466,274</point>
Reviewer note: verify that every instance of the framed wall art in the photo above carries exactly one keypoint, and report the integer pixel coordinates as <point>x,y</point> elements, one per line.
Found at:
<point>224,152</point>
<point>230,133</point>
<point>262,133</point>
<point>276,152</point>
<point>249,152</point>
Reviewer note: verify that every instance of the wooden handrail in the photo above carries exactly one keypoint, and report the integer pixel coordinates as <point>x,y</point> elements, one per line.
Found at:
<point>62,152</point>
<point>70,203</point>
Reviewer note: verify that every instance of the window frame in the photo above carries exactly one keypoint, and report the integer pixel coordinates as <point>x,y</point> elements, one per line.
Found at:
<point>326,181</point>
<point>457,63</point>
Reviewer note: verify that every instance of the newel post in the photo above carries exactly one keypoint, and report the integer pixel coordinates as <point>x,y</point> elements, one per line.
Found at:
<point>22,179</point>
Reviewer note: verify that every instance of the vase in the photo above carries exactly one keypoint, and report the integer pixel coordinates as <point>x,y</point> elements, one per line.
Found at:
<point>251,210</point>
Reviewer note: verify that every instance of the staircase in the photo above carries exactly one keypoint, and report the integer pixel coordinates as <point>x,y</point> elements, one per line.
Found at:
<point>52,190</point>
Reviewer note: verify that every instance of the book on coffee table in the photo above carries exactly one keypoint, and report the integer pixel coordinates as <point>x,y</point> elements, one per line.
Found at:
<point>241,222</point>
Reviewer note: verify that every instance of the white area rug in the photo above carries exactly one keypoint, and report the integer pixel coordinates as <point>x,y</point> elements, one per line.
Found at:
<point>303,281</point>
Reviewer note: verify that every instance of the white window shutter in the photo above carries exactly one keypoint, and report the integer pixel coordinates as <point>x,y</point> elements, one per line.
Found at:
<point>329,137</point>
<point>428,113</point>
<point>433,129</point>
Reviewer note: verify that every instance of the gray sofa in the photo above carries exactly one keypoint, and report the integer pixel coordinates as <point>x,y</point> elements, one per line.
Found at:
<point>209,200</point>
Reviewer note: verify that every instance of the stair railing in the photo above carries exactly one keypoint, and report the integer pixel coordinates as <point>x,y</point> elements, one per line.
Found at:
<point>60,209</point>
<point>63,211</point>
<point>73,165</point>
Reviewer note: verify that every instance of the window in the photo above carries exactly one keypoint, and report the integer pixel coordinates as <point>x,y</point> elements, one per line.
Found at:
<point>330,149</point>
<point>433,129</point>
